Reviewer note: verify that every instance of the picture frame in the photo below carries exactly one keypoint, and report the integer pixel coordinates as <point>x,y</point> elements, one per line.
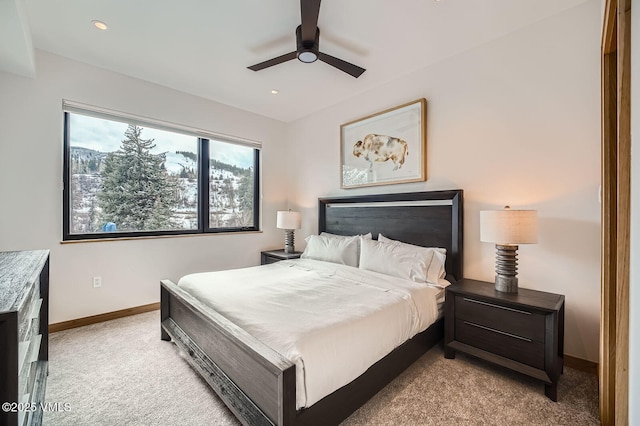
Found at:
<point>385,148</point>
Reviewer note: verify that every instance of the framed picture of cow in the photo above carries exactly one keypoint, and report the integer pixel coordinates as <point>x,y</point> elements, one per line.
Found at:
<point>385,148</point>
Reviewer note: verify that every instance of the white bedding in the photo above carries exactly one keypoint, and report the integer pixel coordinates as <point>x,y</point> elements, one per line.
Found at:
<point>333,321</point>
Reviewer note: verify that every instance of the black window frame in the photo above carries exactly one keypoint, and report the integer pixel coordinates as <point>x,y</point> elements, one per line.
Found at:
<point>203,193</point>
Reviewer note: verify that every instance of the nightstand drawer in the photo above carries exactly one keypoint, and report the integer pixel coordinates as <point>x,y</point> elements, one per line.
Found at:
<point>520,322</point>
<point>508,345</point>
<point>268,259</point>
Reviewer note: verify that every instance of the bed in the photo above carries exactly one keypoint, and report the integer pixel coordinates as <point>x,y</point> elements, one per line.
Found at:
<point>257,383</point>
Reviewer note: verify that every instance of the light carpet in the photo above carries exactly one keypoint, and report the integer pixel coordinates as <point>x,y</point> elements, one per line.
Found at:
<point>120,373</point>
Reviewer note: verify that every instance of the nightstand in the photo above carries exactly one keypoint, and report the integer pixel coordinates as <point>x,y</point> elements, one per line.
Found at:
<point>521,331</point>
<point>273,256</point>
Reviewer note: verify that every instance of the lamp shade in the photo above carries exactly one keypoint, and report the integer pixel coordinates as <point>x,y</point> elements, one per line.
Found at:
<point>288,220</point>
<point>509,226</point>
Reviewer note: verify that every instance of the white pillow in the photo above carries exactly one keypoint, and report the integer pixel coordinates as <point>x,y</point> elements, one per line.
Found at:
<point>436,268</point>
<point>331,249</point>
<point>366,236</point>
<point>396,260</point>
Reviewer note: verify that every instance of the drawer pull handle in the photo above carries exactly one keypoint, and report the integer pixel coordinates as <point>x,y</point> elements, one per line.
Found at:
<point>496,306</point>
<point>498,331</point>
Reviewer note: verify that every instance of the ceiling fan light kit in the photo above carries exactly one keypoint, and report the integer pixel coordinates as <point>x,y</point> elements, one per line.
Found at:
<point>307,51</point>
<point>308,44</point>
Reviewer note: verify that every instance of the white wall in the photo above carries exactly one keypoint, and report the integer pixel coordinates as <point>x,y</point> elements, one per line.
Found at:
<point>31,176</point>
<point>515,121</point>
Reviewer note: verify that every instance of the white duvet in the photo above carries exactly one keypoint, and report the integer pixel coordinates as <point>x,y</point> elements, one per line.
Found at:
<point>333,321</point>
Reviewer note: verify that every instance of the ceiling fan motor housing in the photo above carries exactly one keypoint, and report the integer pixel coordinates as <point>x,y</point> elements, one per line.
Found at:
<point>308,50</point>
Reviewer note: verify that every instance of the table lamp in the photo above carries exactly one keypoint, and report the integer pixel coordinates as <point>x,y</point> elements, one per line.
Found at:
<point>507,228</point>
<point>288,221</point>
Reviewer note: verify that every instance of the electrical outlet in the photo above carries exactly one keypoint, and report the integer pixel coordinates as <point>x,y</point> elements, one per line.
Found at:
<point>97,282</point>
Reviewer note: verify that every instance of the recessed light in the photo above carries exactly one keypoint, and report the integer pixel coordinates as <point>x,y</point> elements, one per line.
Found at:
<point>275,92</point>
<point>99,24</point>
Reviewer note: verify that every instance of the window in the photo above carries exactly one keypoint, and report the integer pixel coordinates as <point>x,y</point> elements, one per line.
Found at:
<point>127,177</point>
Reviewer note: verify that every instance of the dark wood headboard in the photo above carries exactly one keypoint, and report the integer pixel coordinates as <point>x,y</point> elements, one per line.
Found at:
<point>428,219</point>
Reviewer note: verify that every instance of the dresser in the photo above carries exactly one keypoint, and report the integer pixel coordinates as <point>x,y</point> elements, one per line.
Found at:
<point>24,336</point>
<point>522,331</point>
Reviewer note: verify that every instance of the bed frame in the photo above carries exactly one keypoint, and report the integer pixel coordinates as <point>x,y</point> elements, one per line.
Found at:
<point>257,383</point>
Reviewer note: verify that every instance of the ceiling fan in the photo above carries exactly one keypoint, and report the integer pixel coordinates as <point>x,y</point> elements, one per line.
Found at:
<point>307,42</point>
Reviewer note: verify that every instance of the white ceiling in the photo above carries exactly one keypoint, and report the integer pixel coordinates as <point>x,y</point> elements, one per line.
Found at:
<point>203,47</point>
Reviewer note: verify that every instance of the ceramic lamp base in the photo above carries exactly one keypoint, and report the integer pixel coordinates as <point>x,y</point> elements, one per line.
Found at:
<point>289,246</point>
<point>506,268</point>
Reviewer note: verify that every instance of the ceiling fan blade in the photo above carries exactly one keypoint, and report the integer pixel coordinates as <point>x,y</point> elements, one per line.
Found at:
<point>275,61</point>
<point>309,11</point>
<point>345,66</point>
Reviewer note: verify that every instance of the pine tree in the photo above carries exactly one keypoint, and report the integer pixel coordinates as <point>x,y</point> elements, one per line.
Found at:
<point>137,193</point>
<point>93,165</point>
<point>246,191</point>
